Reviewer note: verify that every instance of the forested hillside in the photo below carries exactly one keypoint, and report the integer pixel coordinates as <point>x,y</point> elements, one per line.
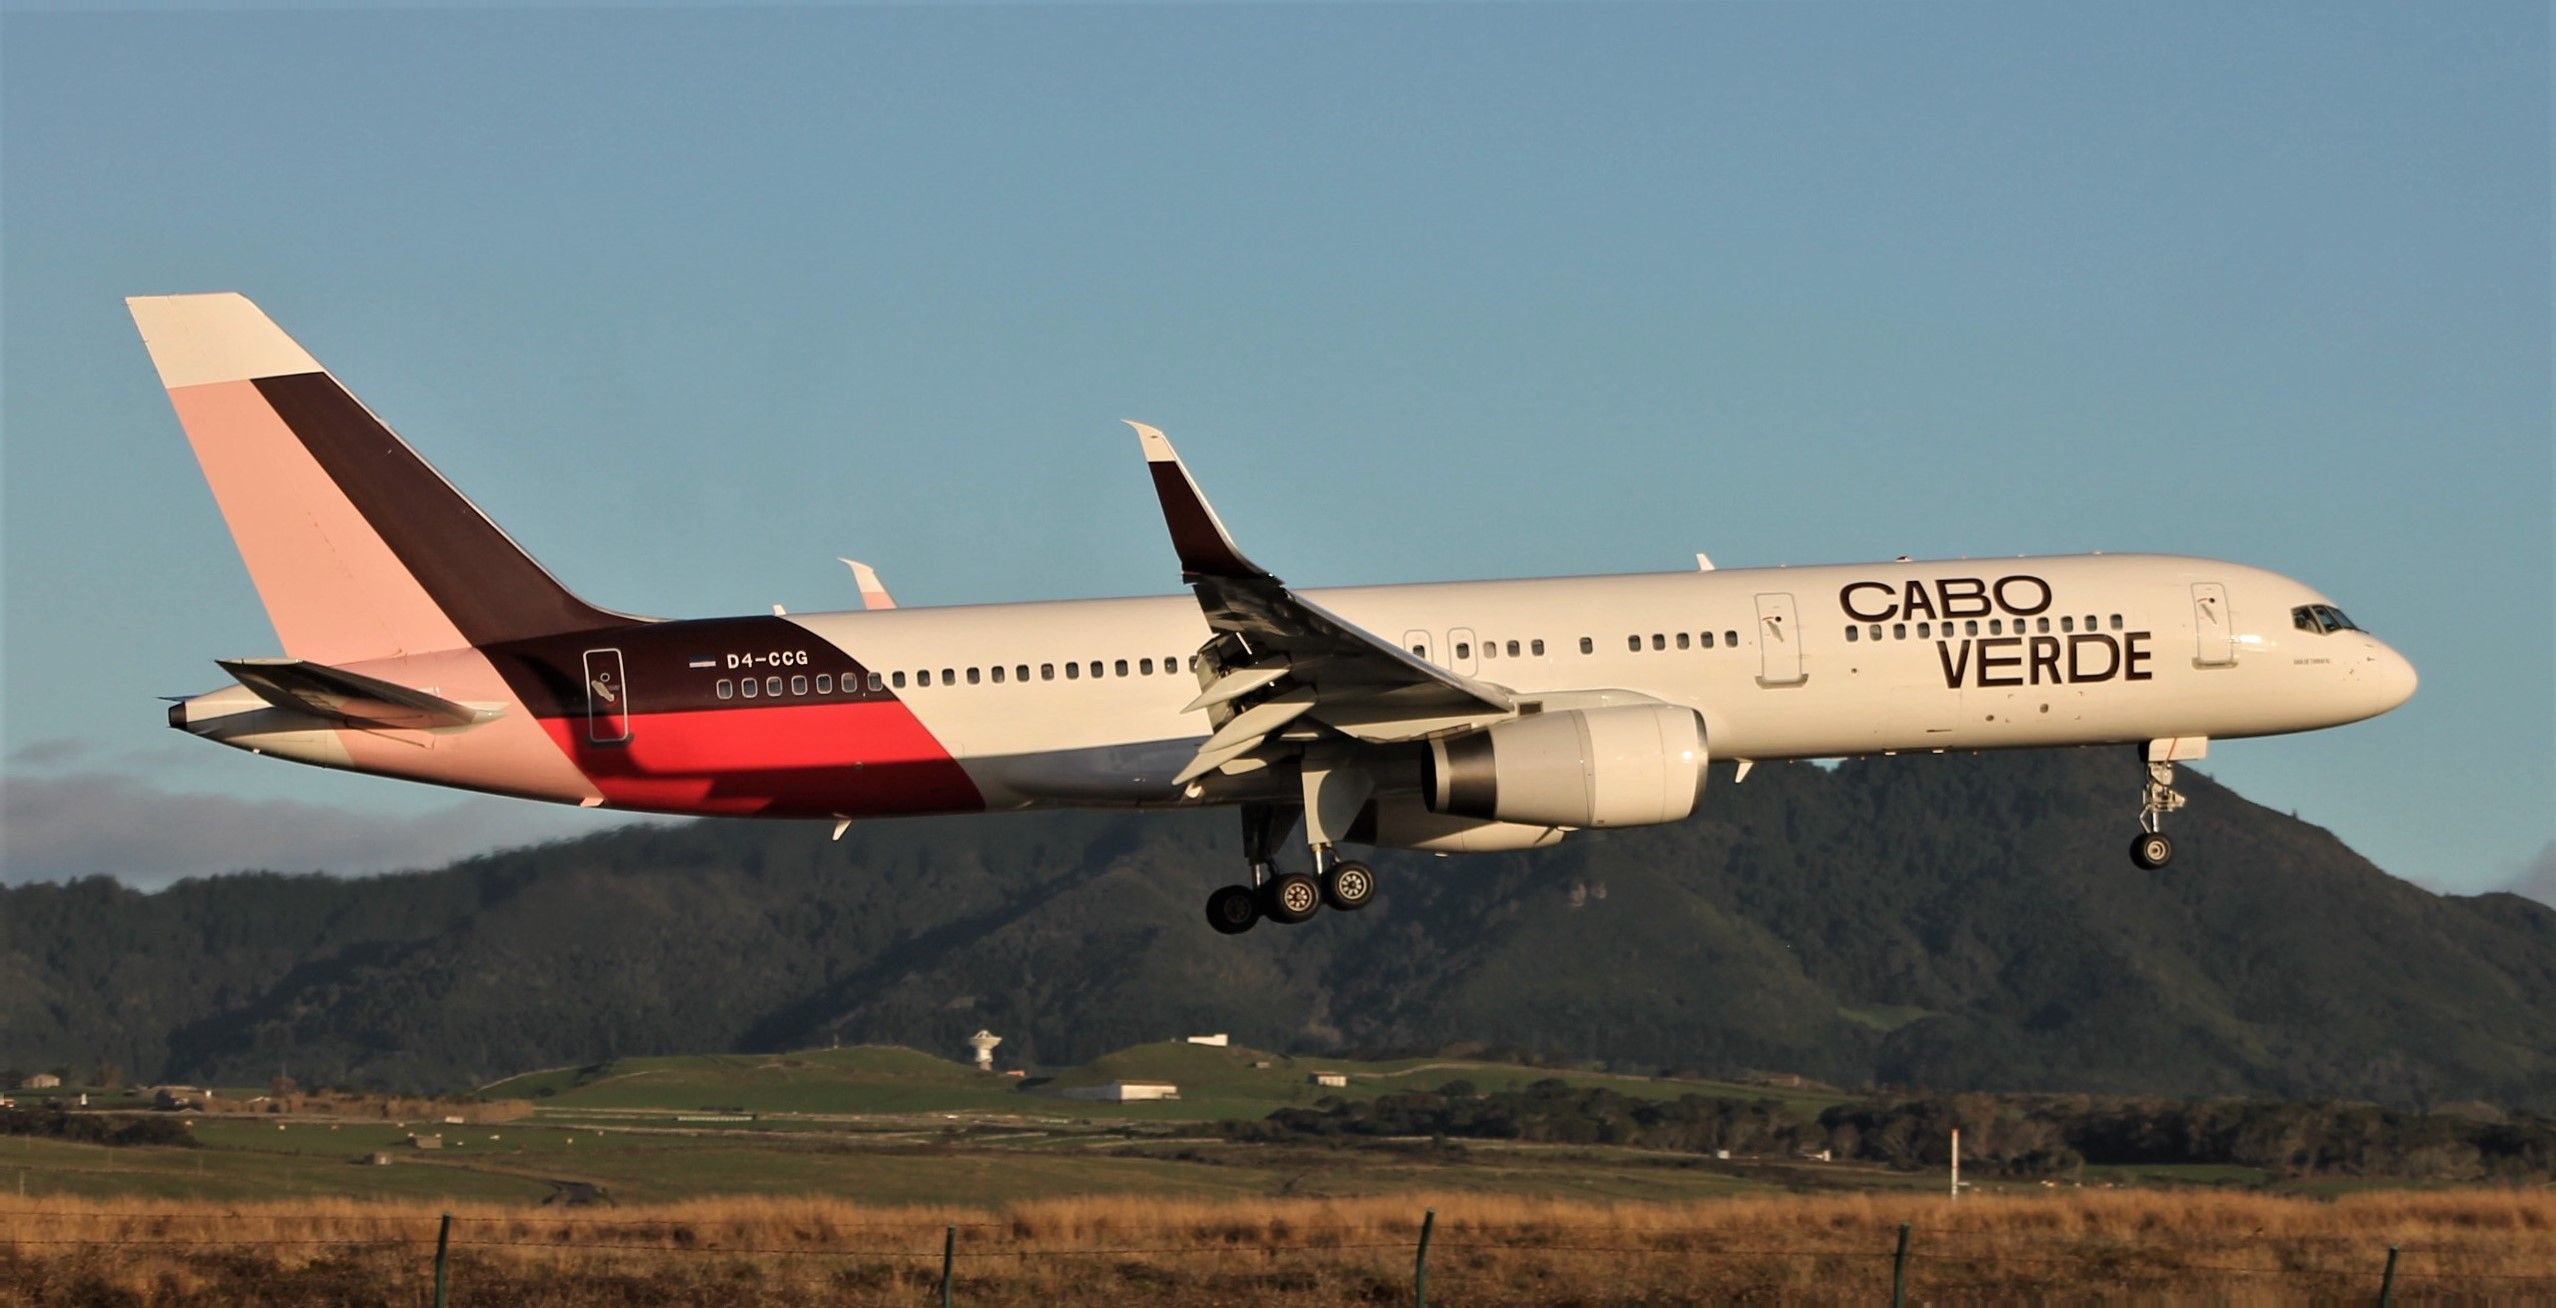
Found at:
<point>1944,923</point>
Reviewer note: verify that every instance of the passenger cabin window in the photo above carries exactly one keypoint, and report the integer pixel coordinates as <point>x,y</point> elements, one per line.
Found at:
<point>771,685</point>
<point>1047,672</point>
<point>1538,647</point>
<point>899,680</point>
<point>1490,649</point>
<point>799,685</point>
<point>1853,634</point>
<point>1731,638</point>
<point>1145,667</point>
<point>1513,649</point>
<point>1633,643</point>
<point>973,678</point>
<point>875,683</point>
<point>1587,646</point>
<point>1707,638</point>
<point>1464,650</point>
<point>727,688</point>
<point>751,688</point>
<point>2116,622</point>
<point>825,683</point>
<point>1073,672</point>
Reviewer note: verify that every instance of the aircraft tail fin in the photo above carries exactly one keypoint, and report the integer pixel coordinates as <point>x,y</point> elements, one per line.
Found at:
<point>359,549</point>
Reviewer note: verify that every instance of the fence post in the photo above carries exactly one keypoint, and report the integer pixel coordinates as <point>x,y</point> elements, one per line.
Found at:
<point>443,1253</point>
<point>1420,1261</point>
<point>949,1262</point>
<point>1899,1271</point>
<point>2387,1283</point>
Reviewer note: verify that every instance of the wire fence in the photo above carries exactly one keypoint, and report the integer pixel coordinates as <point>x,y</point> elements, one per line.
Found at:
<point>460,1259</point>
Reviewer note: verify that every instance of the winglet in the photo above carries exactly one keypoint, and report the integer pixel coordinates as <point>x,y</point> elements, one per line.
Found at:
<point>1206,549</point>
<point>874,593</point>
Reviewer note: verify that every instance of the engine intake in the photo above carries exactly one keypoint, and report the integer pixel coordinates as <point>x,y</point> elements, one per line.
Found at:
<point>1620,766</point>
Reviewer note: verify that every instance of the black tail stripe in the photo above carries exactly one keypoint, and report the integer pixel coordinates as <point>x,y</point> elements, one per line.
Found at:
<point>489,587</point>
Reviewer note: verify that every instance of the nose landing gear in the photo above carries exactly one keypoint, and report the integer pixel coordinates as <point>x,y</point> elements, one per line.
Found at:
<point>2152,849</point>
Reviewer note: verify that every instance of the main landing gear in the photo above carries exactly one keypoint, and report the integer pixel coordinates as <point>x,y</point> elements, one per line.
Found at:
<point>2152,849</point>
<point>1286,898</point>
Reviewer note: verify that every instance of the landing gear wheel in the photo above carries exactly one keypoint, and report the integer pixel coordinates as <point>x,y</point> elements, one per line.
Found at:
<point>1290,898</point>
<point>2152,850</point>
<point>1233,910</point>
<point>1348,886</point>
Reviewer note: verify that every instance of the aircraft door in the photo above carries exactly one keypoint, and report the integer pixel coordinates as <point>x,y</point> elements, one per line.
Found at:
<point>607,699</point>
<point>1779,642</point>
<point>2212,625</point>
<point>1462,658</point>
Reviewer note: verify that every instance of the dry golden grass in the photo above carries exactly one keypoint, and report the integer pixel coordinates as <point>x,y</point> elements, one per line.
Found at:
<point>2491,1245</point>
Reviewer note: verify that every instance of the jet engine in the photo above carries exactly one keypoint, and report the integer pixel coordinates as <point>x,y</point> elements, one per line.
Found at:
<point>1618,766</point>
<point>1401,822</point>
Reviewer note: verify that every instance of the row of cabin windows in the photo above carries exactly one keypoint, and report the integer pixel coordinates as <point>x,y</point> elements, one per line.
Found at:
<point>1970,627</point>
<point>1660,640</point>
<point>998,674</point>
<point>1492,649</point>
<point>774,686</point>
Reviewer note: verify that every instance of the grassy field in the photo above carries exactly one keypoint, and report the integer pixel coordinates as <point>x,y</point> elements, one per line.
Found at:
<point>1215,1083</point>
<point>2492,1246</point>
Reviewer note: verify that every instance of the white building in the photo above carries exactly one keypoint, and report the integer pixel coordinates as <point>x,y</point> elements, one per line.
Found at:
<point>1123,1092</point>
<point>1219,1040</point>
<point>1333,1079</point>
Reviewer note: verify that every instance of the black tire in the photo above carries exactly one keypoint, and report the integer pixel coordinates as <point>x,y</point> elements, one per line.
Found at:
<point>1349,886</point>
<point>1233,910</point>
<point>2152,850</point>
<point>1290,898</point>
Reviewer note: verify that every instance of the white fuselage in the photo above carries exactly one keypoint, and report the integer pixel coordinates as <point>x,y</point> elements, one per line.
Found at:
<point>2083,649</point>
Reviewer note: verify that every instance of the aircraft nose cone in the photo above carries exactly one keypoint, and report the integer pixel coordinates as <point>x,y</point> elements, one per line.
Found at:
<point>2387,677</point>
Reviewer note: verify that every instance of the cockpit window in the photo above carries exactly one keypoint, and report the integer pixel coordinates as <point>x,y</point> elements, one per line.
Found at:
<point>2321,619</point>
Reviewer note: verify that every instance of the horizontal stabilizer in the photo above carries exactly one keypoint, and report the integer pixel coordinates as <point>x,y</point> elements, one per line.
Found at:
<point>349,697</point>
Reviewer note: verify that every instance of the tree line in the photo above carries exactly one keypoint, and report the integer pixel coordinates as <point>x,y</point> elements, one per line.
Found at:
<point>2010,1136</point>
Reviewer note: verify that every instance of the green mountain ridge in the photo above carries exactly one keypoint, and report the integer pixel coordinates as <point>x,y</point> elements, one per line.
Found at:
<point>1947,923</point>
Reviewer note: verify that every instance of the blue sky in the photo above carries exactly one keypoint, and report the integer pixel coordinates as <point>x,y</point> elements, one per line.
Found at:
<point>695,300</point>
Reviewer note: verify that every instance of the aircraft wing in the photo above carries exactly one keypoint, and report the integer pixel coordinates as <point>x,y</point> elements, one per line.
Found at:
<point>1278,657</point>
<point>349,697</point>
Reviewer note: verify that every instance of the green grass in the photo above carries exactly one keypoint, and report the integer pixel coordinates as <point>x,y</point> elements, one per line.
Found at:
<point>1216,1083</point>
<point>1885,1018</point>
<point>46,1167</point>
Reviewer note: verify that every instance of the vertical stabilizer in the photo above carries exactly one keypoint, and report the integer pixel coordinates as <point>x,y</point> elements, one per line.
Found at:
<point>358,548</point>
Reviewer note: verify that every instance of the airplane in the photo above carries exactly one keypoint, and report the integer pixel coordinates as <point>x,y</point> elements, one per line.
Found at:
<point>420,642</point>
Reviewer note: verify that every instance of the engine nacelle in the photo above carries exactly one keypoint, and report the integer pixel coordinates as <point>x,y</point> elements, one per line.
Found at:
<point>1401,822</point>
<point>1620,766</point>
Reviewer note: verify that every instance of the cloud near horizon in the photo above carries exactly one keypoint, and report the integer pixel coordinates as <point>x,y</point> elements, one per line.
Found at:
<point>101,823</point>
<point>2538,876</point>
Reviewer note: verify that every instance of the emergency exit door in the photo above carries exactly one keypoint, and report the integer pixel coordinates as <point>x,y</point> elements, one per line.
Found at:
<point>1779,642</point>
<point>607,698</point>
